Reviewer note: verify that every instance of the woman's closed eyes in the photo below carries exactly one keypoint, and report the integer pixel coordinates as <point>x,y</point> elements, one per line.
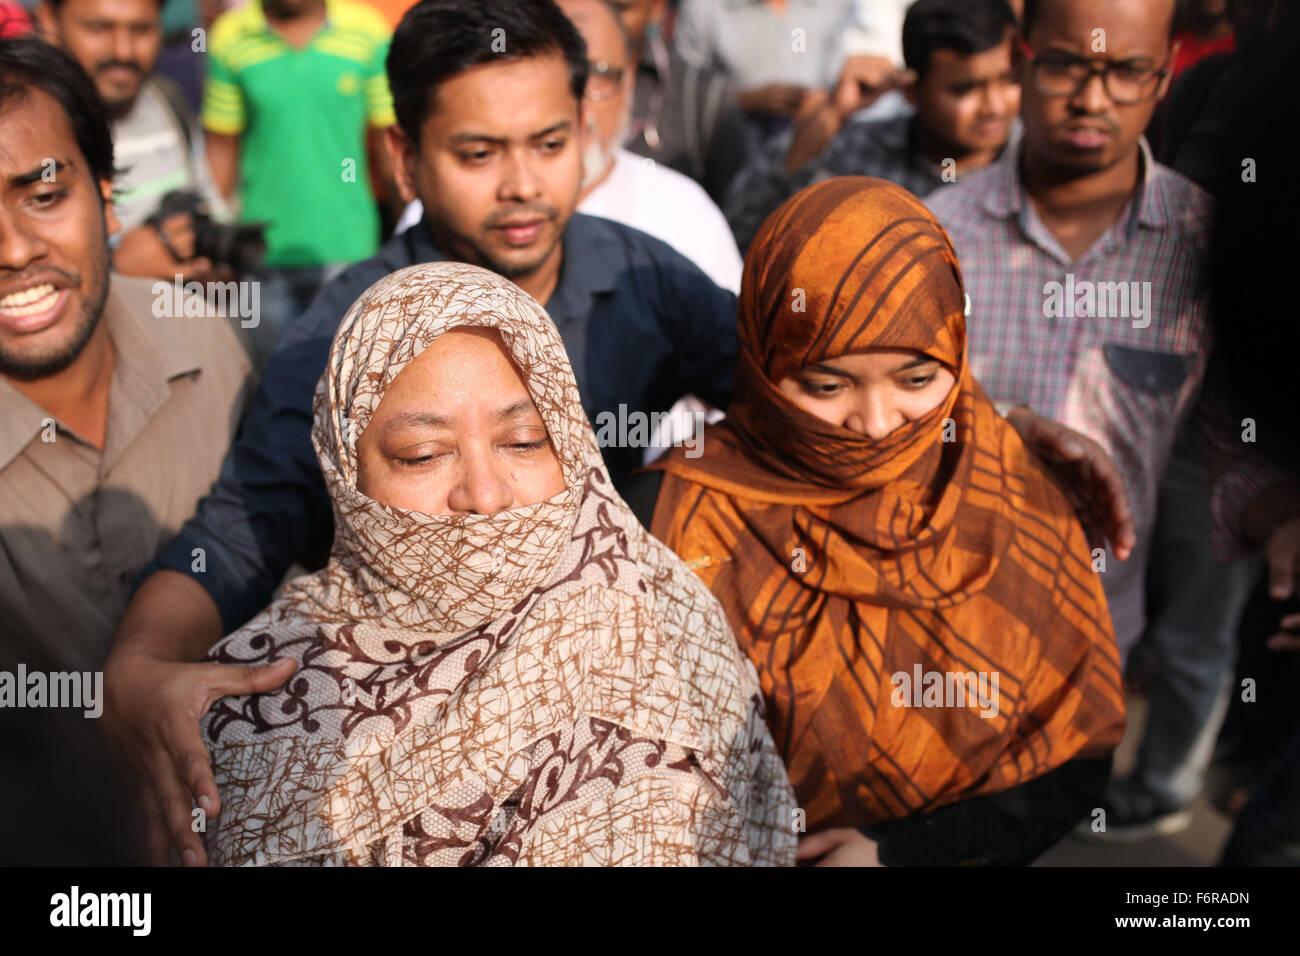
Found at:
<point>527,443</point>
<point>458,433</point>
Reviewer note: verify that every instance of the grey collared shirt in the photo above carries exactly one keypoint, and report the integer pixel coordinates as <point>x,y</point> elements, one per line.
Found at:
<point>77,523</point>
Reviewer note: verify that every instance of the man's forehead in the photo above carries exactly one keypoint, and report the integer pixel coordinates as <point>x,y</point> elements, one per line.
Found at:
<point>134,10</point>
<point>1117,28</point>
<point>515,98</point>
<point>34,132</point>
<point>996,59</point>
<point>465,126</point>
<point>599,27</point>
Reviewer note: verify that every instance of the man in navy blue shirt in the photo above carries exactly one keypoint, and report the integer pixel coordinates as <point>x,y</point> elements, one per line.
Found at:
<point>489,137</point>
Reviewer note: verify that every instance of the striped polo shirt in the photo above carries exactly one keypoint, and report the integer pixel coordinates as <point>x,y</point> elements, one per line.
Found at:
<point>301,117</point>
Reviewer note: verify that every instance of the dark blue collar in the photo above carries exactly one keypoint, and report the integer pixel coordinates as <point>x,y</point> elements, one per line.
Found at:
<point>588,270</point>
<point>420,246</point>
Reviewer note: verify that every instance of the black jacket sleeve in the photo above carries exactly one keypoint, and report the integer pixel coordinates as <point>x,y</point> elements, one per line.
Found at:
<point>269,506</point>
<point>1010,828</point>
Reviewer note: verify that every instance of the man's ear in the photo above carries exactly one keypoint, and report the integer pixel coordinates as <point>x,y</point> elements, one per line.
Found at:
<point>402,157</point>
<point>46,21</point>
<point>584,123</point>
<point>111,223</point>
<point>1018,42</point>
<point>911,87</point>
<point>1169,77</point>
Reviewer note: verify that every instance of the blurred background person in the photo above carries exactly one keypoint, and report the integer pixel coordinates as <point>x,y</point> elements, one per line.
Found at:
<point>778,55</point>
<point>295,103</point>
<point>874,67</point>
<point>156,143</point>
<point>636,190</point>
<point>962,98</point>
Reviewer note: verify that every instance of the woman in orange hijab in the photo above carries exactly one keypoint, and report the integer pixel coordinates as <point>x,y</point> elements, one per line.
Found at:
<point>917,594</point>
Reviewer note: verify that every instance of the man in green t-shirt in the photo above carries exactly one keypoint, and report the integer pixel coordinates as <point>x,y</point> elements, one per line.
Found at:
<point>292,88</point>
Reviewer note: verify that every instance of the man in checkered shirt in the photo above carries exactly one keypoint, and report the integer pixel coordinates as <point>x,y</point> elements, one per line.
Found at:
<point>1084,261</point>
<point>1075,205</point>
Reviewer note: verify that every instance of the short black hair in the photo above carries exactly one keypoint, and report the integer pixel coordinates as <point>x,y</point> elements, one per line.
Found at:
<point>1033,7</point>
<point>438,39</point>
<point>28,63</point>
<point>966,27</point>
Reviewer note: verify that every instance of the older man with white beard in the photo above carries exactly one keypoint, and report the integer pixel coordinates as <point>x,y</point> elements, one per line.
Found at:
<point>619,185</point>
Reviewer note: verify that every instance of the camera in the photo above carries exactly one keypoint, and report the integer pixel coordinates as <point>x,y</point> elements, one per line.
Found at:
<point>241,247</point>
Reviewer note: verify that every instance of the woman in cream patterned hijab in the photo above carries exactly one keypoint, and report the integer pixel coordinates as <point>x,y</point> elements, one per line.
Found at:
<point>543,685</point>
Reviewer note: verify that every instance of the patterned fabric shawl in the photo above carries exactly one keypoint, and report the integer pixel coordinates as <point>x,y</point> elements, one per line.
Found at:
<point>544,686</point>
<point>942,552</point>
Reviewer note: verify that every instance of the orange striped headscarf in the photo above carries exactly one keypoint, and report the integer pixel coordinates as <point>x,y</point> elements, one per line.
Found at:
<point>922,609</point>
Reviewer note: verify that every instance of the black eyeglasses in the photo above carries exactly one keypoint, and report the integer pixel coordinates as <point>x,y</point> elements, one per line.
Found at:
<point>603,80</point>
<point>1060,74</point>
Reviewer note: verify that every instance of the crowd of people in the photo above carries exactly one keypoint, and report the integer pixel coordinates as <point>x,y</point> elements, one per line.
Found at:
<point>395,435</point>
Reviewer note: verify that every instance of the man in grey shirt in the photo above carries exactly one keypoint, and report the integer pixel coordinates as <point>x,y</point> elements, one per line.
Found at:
<point>115,412</point>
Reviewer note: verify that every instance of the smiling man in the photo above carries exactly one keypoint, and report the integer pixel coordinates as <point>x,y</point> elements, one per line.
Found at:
<point>112,422</point>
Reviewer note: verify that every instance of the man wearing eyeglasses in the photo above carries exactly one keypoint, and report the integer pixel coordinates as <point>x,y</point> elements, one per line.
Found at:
<point>1083,258</point>
<point>636,190</point>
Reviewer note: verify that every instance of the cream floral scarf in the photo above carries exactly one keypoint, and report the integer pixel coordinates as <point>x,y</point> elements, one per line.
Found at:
<point>544,686</point>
